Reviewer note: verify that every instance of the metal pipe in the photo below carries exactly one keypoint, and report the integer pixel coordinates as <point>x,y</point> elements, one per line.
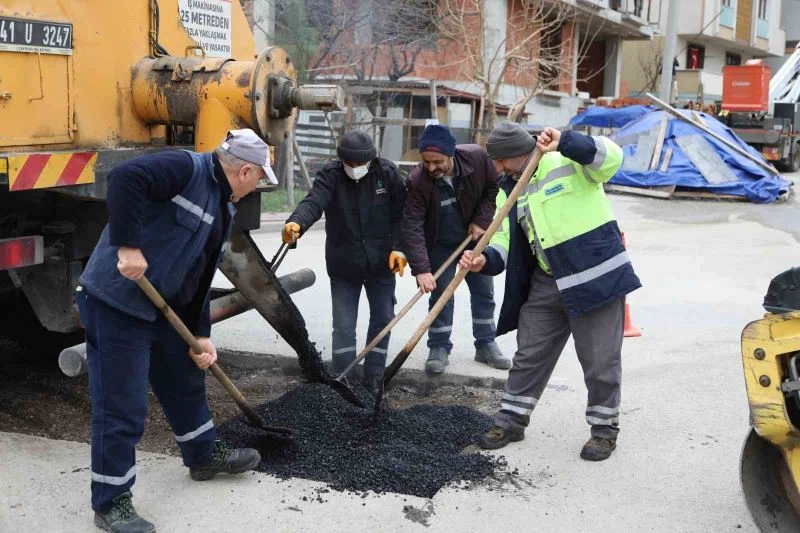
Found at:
<point>235,303</point>
<point>72,360</point>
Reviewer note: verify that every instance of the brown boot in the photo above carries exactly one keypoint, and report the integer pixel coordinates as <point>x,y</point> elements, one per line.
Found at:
<point>598,449</point>
<point>498,437</point>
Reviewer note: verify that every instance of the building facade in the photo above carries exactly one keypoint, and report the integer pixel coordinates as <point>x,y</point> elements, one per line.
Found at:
<point>710,35</point>
<point>589,44</point>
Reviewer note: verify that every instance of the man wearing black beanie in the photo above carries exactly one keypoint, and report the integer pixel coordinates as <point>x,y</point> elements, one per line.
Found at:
<point>452,192</point>
<point>362,197</point>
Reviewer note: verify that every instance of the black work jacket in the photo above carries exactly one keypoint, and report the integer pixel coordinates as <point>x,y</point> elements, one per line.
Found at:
<point>362,218</point>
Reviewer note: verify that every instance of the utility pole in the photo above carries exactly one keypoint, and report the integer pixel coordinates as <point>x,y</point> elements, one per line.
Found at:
<point>669,52</point>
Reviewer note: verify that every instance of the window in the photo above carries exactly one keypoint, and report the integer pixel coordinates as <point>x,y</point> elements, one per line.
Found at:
<point>695,57</point>
<point>762,9</point>
<point>727,13</point>
<point>732,59</point>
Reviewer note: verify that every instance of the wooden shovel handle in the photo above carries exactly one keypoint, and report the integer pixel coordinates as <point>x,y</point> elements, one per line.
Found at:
<point>190,339</point>
<point>498,219</point>
<point>385,331</point>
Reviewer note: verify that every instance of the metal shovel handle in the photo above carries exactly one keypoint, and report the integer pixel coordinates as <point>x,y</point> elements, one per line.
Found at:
<point>190,339</point>
<point>497,221</point>
<point>385,331</point>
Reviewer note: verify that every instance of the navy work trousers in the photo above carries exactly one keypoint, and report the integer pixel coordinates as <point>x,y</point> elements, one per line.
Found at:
<point>123,353</point>
<point>481,292</point>
<point>345,294</point>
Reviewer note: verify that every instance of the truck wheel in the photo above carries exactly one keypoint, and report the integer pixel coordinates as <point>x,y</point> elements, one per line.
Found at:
<point>794,164</point>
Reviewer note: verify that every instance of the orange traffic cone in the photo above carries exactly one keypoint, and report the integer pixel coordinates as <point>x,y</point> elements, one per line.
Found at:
<point>630,330</point>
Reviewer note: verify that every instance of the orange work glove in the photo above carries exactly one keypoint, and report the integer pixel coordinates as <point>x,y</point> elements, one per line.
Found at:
<point>291,232</point>
<point>397,262</point>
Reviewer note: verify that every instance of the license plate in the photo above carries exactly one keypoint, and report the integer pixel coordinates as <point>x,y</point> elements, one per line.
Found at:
<point>35,36</point>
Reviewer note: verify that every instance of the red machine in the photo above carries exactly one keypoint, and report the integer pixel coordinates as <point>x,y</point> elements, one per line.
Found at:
<point>745,88</point>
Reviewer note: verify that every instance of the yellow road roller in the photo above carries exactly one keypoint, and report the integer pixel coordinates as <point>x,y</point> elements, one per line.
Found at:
<point>770,460</point>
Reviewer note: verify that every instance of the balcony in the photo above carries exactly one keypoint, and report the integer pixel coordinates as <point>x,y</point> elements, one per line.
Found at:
<point>691,81</point>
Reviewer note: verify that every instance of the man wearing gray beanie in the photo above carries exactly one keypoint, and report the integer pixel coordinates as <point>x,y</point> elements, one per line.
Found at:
<point>567,273</point>
<point>362,197</point>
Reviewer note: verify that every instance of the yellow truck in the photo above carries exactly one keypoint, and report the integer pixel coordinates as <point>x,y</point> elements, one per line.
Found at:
<point>85,85</point>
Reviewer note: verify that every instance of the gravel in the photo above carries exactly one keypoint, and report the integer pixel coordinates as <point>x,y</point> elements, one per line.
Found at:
<point>412,451</point>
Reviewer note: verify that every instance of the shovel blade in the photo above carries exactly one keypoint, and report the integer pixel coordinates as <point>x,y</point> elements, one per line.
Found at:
<point>345,392</point>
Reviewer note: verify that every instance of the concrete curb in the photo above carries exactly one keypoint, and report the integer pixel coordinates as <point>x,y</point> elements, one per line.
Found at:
<point>274,222</point>
<point>407,376</point>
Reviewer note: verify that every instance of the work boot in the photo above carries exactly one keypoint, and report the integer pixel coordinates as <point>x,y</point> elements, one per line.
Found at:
<point>226,461</point>
<point>491,355</point>
<point>598,449</point>
<point>371,383</point>
<point>497,437</point>
<point>437,361</point>
<point>122,517</point>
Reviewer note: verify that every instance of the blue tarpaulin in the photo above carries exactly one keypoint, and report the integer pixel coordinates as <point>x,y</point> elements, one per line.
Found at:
<point>744,177</point>
<point>608,117</point>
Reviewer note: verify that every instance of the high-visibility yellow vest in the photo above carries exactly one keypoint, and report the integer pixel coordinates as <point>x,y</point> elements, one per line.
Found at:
<point>570,226</point>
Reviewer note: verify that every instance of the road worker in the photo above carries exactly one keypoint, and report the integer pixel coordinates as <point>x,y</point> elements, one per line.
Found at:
<point>452,192</point>
<point>362,198</point>
<point>567,272</point>
<point>169,215</point>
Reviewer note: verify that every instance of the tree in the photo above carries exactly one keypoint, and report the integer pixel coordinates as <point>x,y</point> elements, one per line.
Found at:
<point>649,58</point>
<point>367,39</point>
<point>296,34</point>
<point>530,53</point>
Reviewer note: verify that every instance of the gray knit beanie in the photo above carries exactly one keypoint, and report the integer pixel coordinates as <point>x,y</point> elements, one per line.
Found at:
<point>357,147</point>
<point>509,139</point>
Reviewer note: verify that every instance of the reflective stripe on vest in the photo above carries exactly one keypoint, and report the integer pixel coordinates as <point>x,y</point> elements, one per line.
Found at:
<point>593,273</point>
<point>194,209</point>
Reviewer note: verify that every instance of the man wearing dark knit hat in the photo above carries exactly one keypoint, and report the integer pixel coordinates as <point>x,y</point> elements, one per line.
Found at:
<point>451,193</point>
<point>362,197</point>
<point>567,273</point>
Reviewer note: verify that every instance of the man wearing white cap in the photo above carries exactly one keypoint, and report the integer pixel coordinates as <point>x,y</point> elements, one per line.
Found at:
<point>169,215</point>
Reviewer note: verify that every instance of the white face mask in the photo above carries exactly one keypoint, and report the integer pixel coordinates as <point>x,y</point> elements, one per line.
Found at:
<point>356,173</point>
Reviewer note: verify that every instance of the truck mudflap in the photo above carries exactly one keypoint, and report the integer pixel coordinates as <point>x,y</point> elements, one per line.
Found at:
<point>253,277</point>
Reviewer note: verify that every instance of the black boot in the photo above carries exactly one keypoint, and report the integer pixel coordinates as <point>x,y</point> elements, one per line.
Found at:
<point>598,449</point>
<point>226,461</point>
<point>122,517</point>
<point>498,437</point>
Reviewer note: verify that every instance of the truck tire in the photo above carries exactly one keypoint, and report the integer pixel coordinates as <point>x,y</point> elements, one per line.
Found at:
<point>20,330</point>
<point>794,159</point>
<point>791,163</point>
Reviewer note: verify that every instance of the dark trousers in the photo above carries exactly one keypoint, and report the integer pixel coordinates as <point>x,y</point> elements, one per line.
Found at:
<point>544,328</point>
<point>345,294</point>
<point>123,353</point>
<point>481,291</point>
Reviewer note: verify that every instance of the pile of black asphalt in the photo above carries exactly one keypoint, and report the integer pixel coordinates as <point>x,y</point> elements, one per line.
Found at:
<point>414,451</point>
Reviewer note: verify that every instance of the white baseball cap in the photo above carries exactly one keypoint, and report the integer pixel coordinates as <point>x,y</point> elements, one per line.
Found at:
<point>248,146</point>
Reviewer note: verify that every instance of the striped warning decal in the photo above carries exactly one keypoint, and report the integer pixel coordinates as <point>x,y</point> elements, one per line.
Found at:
<point>40,171</point>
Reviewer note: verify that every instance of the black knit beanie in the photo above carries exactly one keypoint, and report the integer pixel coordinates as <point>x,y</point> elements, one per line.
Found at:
<point>357,147</point>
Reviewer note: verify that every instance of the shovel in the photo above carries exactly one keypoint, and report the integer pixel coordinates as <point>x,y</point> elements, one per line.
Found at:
<point>340,384</point>
<point>278,433</point>
<point>499,217</point>
<point>280,254</point>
